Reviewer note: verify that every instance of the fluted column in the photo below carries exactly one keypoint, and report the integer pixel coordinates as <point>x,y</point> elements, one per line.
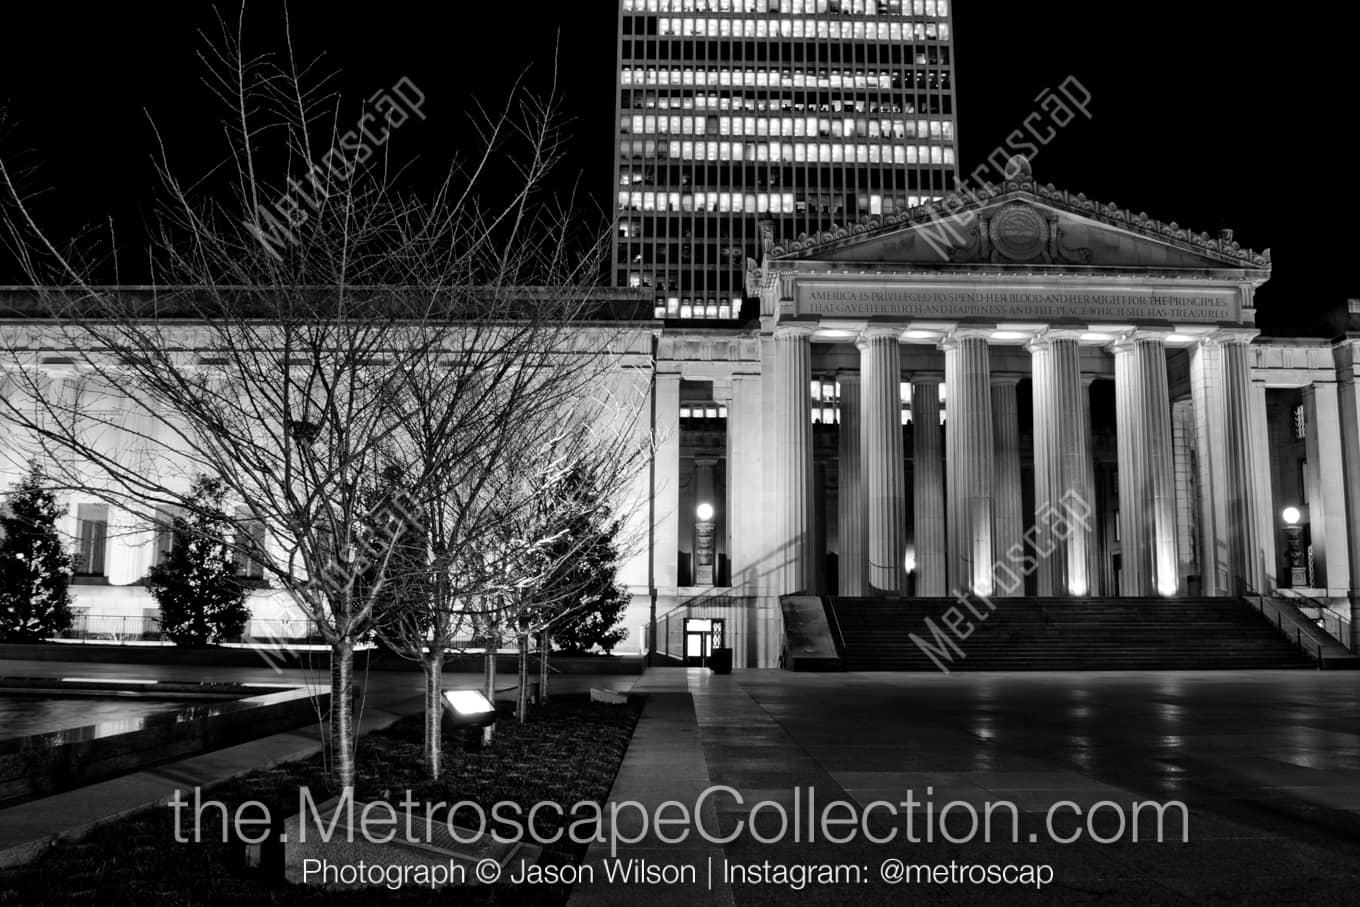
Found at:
<point>745,515</point>
<point>1147,492</point>
<point>1095,565</point>
<point>1062,481</point>
<point>884,473</point>
<point>928,487</point>
<point>793,453</point>
<point>969,452</point>
<point>666,483</point>
<point>1346,357</point>
<point>1243,521</point>
<point>852,509</point>
<point>1010,517</point>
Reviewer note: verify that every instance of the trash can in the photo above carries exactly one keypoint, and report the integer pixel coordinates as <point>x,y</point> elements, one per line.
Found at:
<point>720,661</point>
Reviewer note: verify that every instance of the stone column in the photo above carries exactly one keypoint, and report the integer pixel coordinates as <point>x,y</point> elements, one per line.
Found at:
<point>1327,497</point>
<point>1147,492</point>
<point>853,511</point>
<point>928,487</point>
<point>1230,521</point>
<point>1266,516</point>
<point>1062,458</point>
<point>666,486</point>
<point>1095,568</point>
<point>1346,355</point>
<point>745,473</point>
<point>884,473</point>
<point>793,452</point>
<point>1182,444</point>
<point>1010,516</point>
<point>969,454</point>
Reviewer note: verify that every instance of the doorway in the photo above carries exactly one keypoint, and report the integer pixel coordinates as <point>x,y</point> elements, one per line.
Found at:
<point>702,636</point>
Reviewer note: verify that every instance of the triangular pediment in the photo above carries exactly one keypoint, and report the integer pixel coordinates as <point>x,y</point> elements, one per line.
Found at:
<point>1025,225</point>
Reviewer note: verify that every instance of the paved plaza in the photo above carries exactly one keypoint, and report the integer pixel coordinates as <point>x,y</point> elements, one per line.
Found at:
<point>1268,764</point>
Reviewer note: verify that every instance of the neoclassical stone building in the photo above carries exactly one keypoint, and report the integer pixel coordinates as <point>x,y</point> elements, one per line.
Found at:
<point>922,392</point>
<point>921,386</point>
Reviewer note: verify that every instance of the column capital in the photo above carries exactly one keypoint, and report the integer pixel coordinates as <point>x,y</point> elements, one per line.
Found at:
<point>956,336</point>
<point>795,331</point>
<point>1233,335</point>
<point>847,376</point>
<point>1126,341</point>
<point>926,378</point>
<point>1044,339</point>
<point>1004,379</point>
<point>882,332</point>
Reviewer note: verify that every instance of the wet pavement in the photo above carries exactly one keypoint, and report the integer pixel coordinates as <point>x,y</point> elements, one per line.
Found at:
<point>1267,765</point>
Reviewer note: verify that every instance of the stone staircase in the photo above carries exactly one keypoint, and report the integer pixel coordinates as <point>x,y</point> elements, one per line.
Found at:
<point>1064,634</point>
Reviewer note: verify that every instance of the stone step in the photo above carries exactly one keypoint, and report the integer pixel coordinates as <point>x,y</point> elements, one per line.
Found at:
<point>1068,634</point>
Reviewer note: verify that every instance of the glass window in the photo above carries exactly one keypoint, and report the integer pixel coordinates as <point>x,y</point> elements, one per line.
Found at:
<point>92,536</point>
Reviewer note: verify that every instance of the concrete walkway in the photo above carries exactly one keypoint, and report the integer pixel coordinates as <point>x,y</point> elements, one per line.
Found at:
<point>1266,763</point>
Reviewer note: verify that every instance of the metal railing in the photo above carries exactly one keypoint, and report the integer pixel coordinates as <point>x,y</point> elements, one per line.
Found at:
<point>145,626</point>
<point>1307,634</point>
<point>1336,624</point>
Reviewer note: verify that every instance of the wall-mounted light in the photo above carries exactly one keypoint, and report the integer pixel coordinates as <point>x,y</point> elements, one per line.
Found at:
<point>704,512</point>
<point>1291,516</point>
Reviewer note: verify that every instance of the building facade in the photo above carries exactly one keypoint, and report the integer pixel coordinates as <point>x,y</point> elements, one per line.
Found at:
<point>737,118</point>
<point>921,400</point>
<point>928,395</point>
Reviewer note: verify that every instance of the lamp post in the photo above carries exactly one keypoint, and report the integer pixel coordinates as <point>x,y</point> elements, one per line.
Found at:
<point>1298,570</point>
<point>705,544</point>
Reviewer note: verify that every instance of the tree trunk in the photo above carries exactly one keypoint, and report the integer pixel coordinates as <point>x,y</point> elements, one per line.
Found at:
<point>544,647</point>
<point>342,712</point>
<point>433,663</point>
<point>522,712</point>
<point>493,646</point>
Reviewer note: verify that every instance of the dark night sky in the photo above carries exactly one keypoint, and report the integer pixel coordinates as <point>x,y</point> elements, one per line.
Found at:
<point>1205,113</point>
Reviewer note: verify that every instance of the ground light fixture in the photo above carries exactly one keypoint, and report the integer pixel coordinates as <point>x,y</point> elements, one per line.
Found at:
<point>471,712</point>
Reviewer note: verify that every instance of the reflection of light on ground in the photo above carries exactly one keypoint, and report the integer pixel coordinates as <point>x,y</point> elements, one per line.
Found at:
<point>1170,711</point>
<point>1081,751</point>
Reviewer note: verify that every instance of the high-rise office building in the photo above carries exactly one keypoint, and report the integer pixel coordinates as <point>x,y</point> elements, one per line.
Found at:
<point>737,117</point>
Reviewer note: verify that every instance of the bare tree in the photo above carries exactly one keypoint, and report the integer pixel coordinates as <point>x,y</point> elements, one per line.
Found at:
<point>300,321</point>
<point>497,501</point>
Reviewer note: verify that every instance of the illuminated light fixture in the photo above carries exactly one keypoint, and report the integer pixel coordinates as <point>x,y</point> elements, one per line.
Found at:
<point>1096,337</point>
<point>1076,587</point>
<point>909,560</point>
<point>108,680</point>
<point>469,708</point>
<point>921,335</point>
<point>704,512</point>
<point>1009,335</point>
<point>835,334</point>
<point>1291,516</point>
<point>1166,585</point>
<point>1180,338</point>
